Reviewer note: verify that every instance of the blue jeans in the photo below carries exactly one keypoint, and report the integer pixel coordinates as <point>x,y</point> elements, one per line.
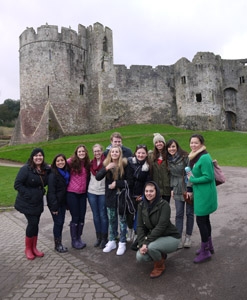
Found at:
<point>163,245</point>
<point>100,219</point>
<point>58,221</point>
<point>113,225</point>
<point>77,204</point>
<point>180,205</point>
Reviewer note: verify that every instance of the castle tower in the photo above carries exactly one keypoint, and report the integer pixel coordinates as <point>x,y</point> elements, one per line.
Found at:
<point>60,81</point>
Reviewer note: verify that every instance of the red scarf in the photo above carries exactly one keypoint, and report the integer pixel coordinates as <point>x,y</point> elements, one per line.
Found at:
<point>94,168</point>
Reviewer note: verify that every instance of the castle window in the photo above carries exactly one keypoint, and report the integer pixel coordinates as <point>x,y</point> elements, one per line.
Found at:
<point>183,79</point>
<point>48,91</point>
<point>49,54</point>
<point>105,44</point>
<point>81,89</point>
<point>199,97</point>
<point>241,79</point>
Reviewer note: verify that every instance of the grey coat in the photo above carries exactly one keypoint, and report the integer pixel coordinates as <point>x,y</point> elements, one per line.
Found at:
<point>178,176</point>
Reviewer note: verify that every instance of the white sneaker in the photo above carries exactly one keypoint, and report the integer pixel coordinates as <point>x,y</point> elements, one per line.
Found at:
<point>121,248</point>
<point>187,241</point>
<point>111,245</point>
<point>130,235</point>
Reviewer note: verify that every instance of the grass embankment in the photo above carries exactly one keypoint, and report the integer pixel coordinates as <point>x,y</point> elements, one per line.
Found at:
<point>228,148</point>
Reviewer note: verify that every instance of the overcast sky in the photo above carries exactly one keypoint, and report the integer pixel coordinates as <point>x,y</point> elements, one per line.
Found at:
<point>145,32</point>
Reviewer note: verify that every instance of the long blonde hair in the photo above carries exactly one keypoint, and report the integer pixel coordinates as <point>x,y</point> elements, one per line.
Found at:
<point>117,172</point>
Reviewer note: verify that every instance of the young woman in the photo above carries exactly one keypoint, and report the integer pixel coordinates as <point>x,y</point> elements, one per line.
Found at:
<point>115,170</point>
<point>96,198</point>
<point>177,160</point>
<point>30,182</point>
<point>159,169</point>
<point>77,194</point>
<point>141,173</point>
<point>205,193</point>
<point>157,236</point>
<point>56,197</point>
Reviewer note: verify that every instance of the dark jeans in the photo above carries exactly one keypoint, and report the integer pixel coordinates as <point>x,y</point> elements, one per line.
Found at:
<point>58,221</point>
<point>100,219</point>
<point>204,225</point>
<point>77,204</point>
<point>180,206</point>
<point>32,225</point>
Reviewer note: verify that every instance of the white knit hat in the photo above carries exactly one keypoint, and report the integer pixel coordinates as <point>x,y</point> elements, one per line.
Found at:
<point>158,137</point>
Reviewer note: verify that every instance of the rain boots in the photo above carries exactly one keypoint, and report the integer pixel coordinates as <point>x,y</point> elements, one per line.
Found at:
<point>76,232</point>
<point>210,247</point>
<point>36,252</point>
<point>204,253</point>
<point>79,234</point>
<point>59,246</point>
<point>29,248</point>
<point>31,251</point>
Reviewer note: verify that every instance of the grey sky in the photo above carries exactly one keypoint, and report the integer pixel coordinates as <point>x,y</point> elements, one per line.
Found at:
<point>145,32</point>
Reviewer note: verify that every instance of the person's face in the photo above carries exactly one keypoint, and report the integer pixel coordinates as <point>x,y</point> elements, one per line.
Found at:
<point>150,192</point>
<point>195,144</point>
<point>115,153</point>
<point>97,152</point>
<point>141,154</point>
<point>38,159</point>
<point>81,152</point>
<point>159,145</point>
<point>116,142</point>
<point>60,162</point>
<point>172,149</point>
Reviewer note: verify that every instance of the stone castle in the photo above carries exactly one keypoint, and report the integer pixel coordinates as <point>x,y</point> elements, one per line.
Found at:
<point>69,85</point>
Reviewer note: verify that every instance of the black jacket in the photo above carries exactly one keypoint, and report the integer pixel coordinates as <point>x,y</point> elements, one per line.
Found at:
<point>110,194</point>
<point>57,189</point>
<point>30,189</point>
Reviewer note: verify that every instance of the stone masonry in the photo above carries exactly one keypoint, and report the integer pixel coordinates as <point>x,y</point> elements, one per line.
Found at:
<point>69,85</point>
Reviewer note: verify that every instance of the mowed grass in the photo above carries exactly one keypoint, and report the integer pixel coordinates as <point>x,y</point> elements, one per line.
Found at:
<point>229,148</point>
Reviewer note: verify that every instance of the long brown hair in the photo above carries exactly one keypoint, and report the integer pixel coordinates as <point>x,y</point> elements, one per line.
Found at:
<point>76,164</point>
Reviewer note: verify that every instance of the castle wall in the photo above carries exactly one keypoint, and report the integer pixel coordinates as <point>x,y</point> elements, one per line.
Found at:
<point>70,85</point>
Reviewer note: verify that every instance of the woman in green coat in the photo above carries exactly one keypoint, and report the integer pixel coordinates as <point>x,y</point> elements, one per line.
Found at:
<point>205,193</point>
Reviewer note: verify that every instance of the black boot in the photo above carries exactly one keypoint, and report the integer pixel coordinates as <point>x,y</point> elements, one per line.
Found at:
<point>98,239</point>
<point>59,247</point>
<point>104,240</point>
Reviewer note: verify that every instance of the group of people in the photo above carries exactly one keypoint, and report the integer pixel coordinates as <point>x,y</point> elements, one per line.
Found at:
<point>154,178</point>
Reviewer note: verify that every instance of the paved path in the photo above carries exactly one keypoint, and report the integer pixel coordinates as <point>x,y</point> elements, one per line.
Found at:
<point>91,274</point>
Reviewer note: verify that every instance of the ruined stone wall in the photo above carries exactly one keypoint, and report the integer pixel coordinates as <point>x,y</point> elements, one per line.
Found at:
<point>69,85</point>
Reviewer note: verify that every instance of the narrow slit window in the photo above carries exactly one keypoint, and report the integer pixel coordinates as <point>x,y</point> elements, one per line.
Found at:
<point>81,89</point>
<point>48,91</point>
<point>199,97</point>
<point>49,54</point>
<point>242,80</point>
<point>183,79</point>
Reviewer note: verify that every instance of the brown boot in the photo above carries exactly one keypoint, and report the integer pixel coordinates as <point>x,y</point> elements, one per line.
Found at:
<point>159,268</point>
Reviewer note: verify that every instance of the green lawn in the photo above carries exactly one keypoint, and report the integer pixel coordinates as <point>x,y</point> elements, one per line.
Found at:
<point>229,148</point>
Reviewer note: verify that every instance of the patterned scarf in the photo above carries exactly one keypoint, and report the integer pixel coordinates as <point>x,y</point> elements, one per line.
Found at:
<point>94,167</point>
<point>194,156</point>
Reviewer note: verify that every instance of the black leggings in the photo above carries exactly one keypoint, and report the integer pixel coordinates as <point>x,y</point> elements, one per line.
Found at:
<point>32,225</point>
<point>204,225</point>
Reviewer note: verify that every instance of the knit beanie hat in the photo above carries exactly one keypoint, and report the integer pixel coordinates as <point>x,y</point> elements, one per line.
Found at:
<point>36,151</point>
<point>158,137</point>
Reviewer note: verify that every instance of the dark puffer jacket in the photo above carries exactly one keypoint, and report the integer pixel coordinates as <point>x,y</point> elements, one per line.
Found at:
<point>30,189</point>
<point>57,190</point>
<point>154,222</point>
